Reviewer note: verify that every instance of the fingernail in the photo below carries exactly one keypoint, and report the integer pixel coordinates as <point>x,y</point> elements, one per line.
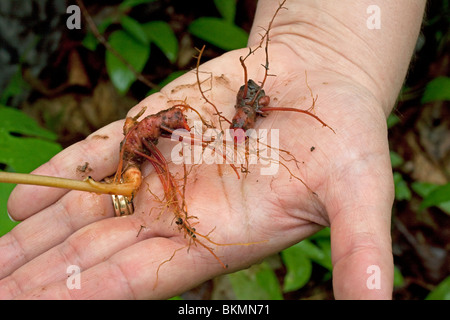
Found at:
<point>10,218</point>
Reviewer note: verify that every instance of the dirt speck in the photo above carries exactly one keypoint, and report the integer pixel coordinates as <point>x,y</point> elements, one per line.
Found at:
<point>100,137</point>
<point>84,169</point>
<point>222,80</point>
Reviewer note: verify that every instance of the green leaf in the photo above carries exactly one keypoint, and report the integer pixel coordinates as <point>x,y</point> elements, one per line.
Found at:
<point>219,33</point>
<point>256,283</point>
<point>321,234</point>
<point>135,29</point>
<point>439,195</point>
<point>399,281</point>
<point>25,154</point>
<point>392,120</point>
<point>16,86</point>
<point>135,53</point>
<point>402,191</point>
<point>396,159</point>
<point>325,247</point>
<point>13,120</point>
<point>423,189</point>
<point>441,292</point>
<point>90,41</point>
<point>5,223</point>
<point>21,154</point>
<point>316,254</point>
<point>299,257</point>
<point>437,89</point>
<point>163,37</point>
<point>323,242</point>
<point>299,268</point>
<point>227,9</point>
<point>102,26</point>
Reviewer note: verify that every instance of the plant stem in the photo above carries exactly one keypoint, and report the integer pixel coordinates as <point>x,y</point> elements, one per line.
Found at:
<point>88,184</point>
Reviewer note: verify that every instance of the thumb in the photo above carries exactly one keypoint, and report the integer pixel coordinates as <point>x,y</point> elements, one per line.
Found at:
<point>360,232</point>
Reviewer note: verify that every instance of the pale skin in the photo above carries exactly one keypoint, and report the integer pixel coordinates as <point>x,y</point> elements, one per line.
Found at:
<point>356,73</point>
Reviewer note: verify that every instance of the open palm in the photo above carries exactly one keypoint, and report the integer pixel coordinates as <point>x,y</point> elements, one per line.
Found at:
<point>121,257</point>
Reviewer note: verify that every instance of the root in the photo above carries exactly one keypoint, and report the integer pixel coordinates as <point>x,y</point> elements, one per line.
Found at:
<point>164,262</point>
<point>129,184</point>
<point>188,138</point>
<point>267,109</point>
<point>307,111</point>
<point>217,112</point>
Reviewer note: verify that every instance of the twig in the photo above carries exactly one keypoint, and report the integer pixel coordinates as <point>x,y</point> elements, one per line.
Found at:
<point>86,185</point>
<point>108,47</point>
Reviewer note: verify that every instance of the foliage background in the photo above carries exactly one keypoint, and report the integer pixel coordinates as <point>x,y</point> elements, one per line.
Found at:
<point>58,85</point>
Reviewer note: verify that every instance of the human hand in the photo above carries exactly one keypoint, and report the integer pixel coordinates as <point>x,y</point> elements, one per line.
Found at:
<point>75,228</point>
<point>349,171</point>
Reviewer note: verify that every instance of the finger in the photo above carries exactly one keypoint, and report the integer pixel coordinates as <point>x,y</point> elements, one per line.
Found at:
<point>360,233</point>
<point>133,274</point>
<point>87,247</point>
<point>96,156</point>
<point>32,237</point>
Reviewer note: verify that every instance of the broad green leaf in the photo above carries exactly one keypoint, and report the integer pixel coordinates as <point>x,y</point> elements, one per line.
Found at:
<point>437,89</point>
<point>135,53</point>
<point>5,223</point>
<point>402,191</point>
<point>325,247</point>
<point>316,254</point>
<point>268,281</point>
<point>439,195</point>
<point>321,234</point>
<point>299,268</point>
<point>102,26</point>
<point>396,159</point>
<point>392,120</point>
<point>21,154</point>
<point>13,120</point>
<point>90,41</point>
<point>256,283</point>
<point>441,292</point>
<point>322,241</point>
<point>135,29</point>
<point>16,86</point>
<point>161,34</point>
<point>299,257</point>
<point>25,154</point>
<point>423,189</point>
<point>219,33</point>
<point>398,277</point>
<point>227,9</point>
